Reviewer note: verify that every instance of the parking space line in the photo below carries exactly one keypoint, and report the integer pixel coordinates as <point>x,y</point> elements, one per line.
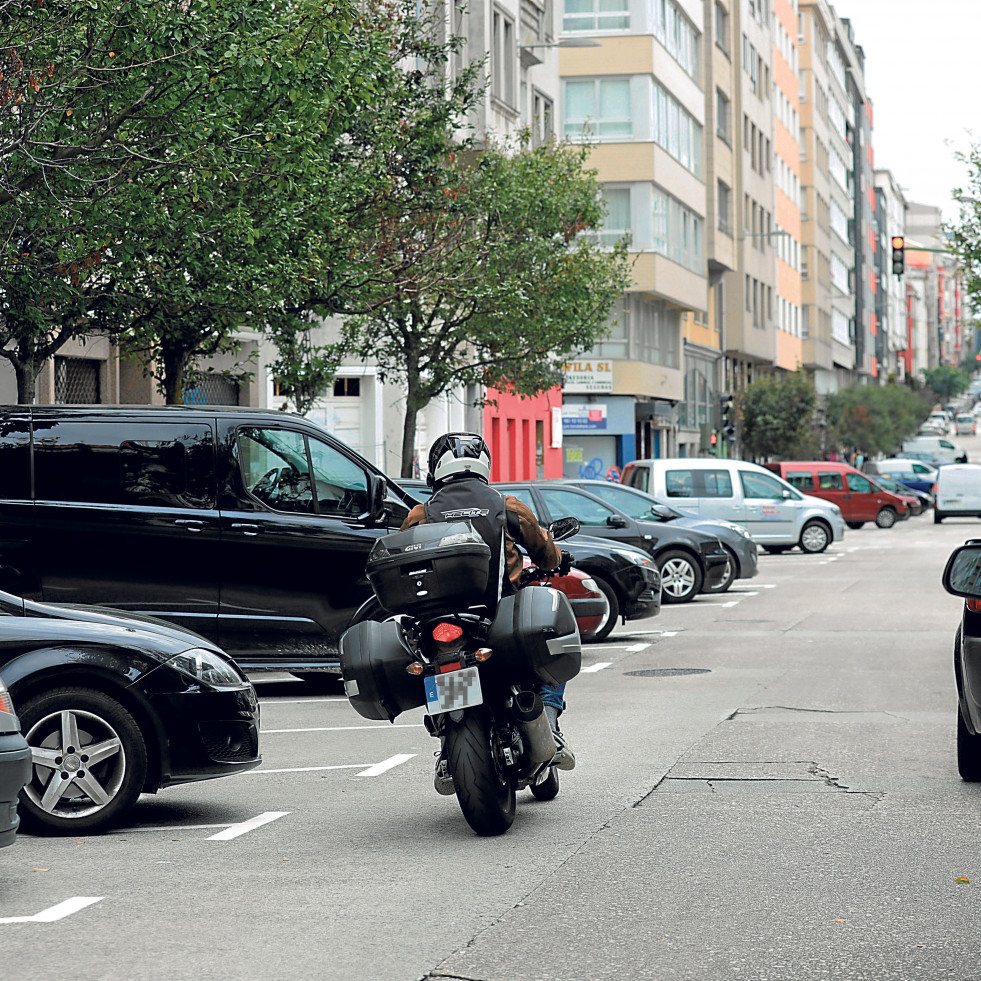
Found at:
<point>307,769</point>
<point>637,648</point>
<point>235,830</point>
<point>593,668</point>
<point>726,606</point>
<point>401,725</point>
<point>57,912</point>
<point>380,768</point>
<point>654,633</point>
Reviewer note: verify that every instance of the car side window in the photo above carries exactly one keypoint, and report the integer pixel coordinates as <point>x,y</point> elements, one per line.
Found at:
<point>830,481</point>
<point>679,483</point>
<point>637,477</point>
<point>153,464</point>
<point>292,472</point>
<point>859,485</point>
<point>717,483</point>
<point>562,503</point>
<point>758,485</point>
<point>946,444</point>
<point>523,495</point>
<point>920,468</point>
<point>801,479</point>
<point>15,460</point>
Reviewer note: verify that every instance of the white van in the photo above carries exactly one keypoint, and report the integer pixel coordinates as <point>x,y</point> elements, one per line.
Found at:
<point>777,515</point>
<point>940,449</point>
<point>957,492</point>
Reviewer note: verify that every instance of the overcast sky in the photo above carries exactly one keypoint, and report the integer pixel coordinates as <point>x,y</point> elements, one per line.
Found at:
<point>921,73</point>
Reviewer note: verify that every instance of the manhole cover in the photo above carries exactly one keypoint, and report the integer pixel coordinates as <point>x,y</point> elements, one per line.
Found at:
<point>665,672</point>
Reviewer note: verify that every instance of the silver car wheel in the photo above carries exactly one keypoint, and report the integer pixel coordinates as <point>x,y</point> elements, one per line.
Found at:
<point>814,538</point>
<point>79,763</point>
<point>677,577</point>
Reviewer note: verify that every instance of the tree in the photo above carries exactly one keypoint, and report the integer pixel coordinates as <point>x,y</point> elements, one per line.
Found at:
<point>489,279</point>
<point>872,419</point>
<point>156,160</point>
<point>946,381</point>
<point>965,234</point>
<point>776,413</point>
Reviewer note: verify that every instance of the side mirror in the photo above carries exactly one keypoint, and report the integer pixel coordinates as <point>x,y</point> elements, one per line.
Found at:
<point>615,521</point>
<point>662,512</point>
<point>563,528</point>
<point>962,575</point>
<point>785,494</point>
<point>377,489</point>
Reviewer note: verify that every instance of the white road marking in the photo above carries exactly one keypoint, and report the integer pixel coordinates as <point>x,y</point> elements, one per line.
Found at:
<point>240,829</point>
<point>649,633</point>
<point>379,768</point>
<point>407,725</point>
<point>748,593</point>
<point>59,912</point>
<point>730,603</point>
<point>307,769</point>
<point>593,668</point>
<point>637,648</point>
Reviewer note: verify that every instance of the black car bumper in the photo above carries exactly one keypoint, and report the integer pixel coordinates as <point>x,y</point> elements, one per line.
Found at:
<point>643,594</point>
<point>714,563</point>
<point>210,733</point>
<point>15,771</point>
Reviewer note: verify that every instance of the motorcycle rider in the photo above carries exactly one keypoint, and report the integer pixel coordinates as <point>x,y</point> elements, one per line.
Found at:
<point>459,472</point>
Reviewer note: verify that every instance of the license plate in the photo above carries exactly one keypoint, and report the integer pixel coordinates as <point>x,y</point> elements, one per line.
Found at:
<point>453,690</point>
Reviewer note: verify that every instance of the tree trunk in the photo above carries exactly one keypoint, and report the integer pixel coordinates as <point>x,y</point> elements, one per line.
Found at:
<point>174,366</point>
<point>413,403</point>
<point>26,383</point>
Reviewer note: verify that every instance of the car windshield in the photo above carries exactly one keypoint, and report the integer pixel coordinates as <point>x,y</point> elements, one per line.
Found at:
<point>636,504</point>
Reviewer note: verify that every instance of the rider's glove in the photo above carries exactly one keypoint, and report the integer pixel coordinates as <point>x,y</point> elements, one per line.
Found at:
<point>566,564</point>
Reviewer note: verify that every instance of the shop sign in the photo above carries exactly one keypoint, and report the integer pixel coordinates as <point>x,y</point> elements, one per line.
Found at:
<point>587,376</point>
<point>589,417</point>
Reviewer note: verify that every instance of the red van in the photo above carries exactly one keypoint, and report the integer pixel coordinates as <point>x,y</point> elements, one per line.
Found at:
<point>860,500</point>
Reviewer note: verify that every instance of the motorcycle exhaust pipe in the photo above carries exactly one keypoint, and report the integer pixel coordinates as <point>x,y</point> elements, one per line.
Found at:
<point>529,713</point>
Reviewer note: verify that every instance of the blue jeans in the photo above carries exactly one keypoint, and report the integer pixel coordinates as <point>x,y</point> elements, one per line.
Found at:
<point>553,696</point>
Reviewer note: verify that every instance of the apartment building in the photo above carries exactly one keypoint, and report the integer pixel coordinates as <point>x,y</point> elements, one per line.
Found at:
<point>894,337</point>
<point>636,92</point>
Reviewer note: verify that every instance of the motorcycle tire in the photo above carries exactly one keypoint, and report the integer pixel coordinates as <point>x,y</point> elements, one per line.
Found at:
<point>547,786</point>
<point>484,787</point>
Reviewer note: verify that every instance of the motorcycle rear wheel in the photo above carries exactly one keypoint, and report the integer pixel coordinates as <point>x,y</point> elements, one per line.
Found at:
<point>547,786</point>
<point>484,787</point>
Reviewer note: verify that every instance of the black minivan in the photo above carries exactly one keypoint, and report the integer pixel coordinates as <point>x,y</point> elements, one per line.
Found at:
<point>248,526</point>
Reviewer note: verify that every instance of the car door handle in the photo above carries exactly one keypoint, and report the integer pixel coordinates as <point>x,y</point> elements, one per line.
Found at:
<point>246,529</point>
<point>191,524</point>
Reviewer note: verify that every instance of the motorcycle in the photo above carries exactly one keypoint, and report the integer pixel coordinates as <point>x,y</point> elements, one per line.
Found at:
<point>475,666</point>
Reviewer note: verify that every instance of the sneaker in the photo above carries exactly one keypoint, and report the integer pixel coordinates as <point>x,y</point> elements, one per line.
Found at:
<point>564,758</point>
<point>442,780</point>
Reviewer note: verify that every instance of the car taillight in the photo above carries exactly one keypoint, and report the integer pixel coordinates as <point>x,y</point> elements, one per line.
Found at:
<point>974,605</point>
<point>6,702</point>
<point>446,633</point>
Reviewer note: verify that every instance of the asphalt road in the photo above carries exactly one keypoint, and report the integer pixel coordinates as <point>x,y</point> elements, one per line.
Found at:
<point>766,789</point>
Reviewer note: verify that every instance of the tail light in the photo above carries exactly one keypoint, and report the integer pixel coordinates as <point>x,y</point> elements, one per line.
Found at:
<point>6,702</point>
<point>974,605</point>
<point>446,633</point>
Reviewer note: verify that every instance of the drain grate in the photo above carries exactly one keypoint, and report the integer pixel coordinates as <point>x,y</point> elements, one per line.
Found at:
<point>665,672</point>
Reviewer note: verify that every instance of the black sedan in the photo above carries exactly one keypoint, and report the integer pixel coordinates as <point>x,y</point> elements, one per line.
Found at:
<point>962,577</point>
<point>689,560</point>
<point>113,705</point>
<point>736,540</point>
<point>15,767</point>
<point>627,576</point>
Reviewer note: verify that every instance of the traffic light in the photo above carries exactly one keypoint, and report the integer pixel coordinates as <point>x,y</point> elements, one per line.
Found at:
<point>898,255</point>
<point>727,417</point>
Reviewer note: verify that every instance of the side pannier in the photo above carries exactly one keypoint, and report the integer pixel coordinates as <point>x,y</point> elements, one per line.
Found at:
<point>430,569</point>
<point>534,637</point>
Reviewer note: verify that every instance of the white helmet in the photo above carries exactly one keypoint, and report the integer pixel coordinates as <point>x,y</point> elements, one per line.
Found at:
<point>458,455</point>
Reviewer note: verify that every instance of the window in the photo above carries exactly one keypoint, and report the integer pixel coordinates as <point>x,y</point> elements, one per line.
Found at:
<point>77,381</point>
<point>289,471</point>
<point>830,481</point>
<point>502,59</point>
<point>542,118</point>
<point>596,15</point>
<point>859,484</point>
<point>347,387</point>
<point>760,486</point>
<point>160,465</point>
<point>679,483</point>
<point>722,28</point>
<point>617,222</point>
<point>722,116</point>
<point>716,483</point>
<point>589,512</point>
<point>801,479</point>
<point>677,231</point>
<point>600,106</point>
<point>676,131</point>
<point>725,208</point>
<point>677,34</point>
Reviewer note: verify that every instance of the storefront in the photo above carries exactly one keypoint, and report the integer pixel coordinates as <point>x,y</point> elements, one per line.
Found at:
<point>597,435</point>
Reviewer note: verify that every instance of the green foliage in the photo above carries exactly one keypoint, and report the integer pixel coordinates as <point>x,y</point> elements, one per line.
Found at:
<point>491,281</point>
<point>946,381</point>
<point>965,234</point>
<point>775,414</point>
<point>872,419</point>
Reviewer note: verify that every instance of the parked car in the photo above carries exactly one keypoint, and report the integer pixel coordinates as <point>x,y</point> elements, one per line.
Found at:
<point>962,577</point>
<point>915,474</point>
<point>774,513</point>
<point>113,706</point>
<point>250,527</point>
<point>965,424</point>
<point>689,561</point>
<point>15,767</point>
<point>588,601</point>
<point>626,576</point>
<point>957,492</point>
<point>917,501</point>
<point>940,449</point>
<point>859,499</point>
<point>736,540</point>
